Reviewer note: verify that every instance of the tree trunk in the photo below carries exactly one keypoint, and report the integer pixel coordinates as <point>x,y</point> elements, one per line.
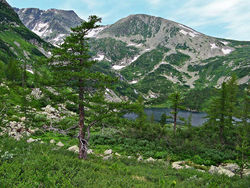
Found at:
<point>82,142</point>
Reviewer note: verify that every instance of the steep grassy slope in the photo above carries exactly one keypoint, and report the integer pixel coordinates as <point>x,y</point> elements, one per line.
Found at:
<point>44,165</point>
<point>16,40</point>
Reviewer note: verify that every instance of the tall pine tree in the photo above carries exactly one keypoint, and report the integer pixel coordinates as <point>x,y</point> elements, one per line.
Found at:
<point>71,66</point>
<point>176,100</point>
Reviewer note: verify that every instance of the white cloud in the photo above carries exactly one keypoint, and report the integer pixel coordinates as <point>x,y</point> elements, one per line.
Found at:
<point>233,15</point>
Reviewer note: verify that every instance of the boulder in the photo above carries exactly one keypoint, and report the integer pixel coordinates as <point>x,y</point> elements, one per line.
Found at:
<point>107,157</point>
<point>177,165</point>
<point>226,172</point>
<point>49,109</point>
<point>150,159</point>
<point>60,144</point>
<point>129,157</point>
<point>90,151</point>
<point>230,166</point>
<point>140,158</point>
<point>52,141</point>
<point>74,148</point>
<point>246,172</point>
<point>30,140</point>
<point>23,118</point>
<point>220,170</point>
<point>108,152</point>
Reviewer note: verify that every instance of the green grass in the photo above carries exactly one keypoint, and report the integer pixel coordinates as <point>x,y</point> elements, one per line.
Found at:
<point>45,165</point>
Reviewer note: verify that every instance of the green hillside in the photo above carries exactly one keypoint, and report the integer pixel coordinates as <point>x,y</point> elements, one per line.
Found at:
<point>16,41</point>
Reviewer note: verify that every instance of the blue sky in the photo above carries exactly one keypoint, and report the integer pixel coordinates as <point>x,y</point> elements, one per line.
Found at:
<point>219,18</point>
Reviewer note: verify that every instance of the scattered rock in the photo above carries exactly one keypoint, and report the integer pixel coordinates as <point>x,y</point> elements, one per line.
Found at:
<point>74,148</point>
<point>246,172</point>
<point>90,151</point>
<point>60,144</point>
<point>220,170</point>
<point>30,140</point>
<point>177,165</point>
<point>23,118</point>
<point>150,159</point>
<point>186,166</point>
<point>140,158</point>
<point>108,152</point>
<point>230,166</point>
<point>52,141</point>
<point>129,157</point>
<point>37,93</point>
<point>107,157</point>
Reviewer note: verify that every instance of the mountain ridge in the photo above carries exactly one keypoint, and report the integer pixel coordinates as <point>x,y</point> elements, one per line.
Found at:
<point>153,55</point>
<point>52,24</point>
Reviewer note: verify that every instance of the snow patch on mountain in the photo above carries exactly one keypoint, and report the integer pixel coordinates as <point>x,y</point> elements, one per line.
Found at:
<point>226,51</point>
<point>94,32</point>
<point>193,31</point>
<point>118,67</point>
<point>99,58</point>
<point>41,29</point>
<point>183,32</point>
<point>213,46</point>
<point>224,42</point>
<point>191,34</point>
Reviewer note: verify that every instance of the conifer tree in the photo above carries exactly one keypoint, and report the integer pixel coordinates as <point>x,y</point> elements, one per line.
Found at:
<point>141,120</point>
<point>223,107</point>
<point>176,100</point>
<point>71,66</point>
<point>232,89</point>
<point>163,119</point>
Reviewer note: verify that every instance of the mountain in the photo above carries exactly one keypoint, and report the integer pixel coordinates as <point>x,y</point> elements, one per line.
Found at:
<point>52,25</point>
<point>154,54</point>
<point>16,41</point>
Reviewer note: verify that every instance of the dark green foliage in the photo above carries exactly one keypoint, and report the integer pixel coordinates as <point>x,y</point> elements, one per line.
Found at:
<point>7,15</point>
<point>13,71</point>
<point>178,59</point>
<point>113,49</point>
<point>163,119</point>
<point>223,108</point>
<point>144,64</point>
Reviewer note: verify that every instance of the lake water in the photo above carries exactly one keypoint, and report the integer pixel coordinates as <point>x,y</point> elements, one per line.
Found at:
<point>198,118</point>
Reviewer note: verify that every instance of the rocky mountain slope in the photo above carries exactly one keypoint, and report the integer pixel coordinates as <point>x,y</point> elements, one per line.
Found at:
<point>52,25</point>
<point>153,55</point>
<point>16,41</point>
